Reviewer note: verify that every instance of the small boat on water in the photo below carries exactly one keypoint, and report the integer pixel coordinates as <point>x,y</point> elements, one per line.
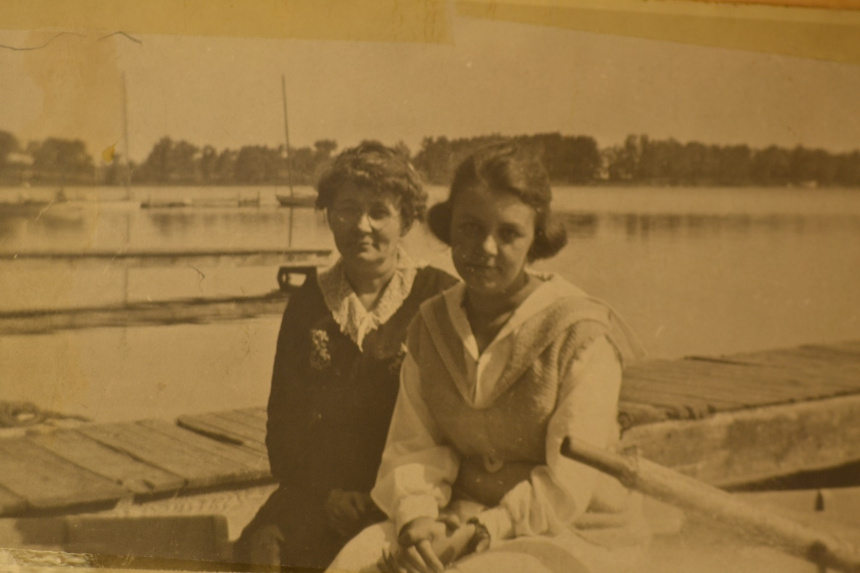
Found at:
<point>201,202</point>
<point>296,200</point>
<point>25,207</point>
<point>237,201</point>
<point>166,203</point>
<point>249,201</point>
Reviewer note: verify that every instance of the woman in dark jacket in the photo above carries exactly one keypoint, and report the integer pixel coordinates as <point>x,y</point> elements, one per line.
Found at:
<point>337,365</point>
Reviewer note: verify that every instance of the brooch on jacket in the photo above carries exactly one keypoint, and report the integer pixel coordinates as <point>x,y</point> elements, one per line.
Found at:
<point>320,357</point>
<point>397,361</point>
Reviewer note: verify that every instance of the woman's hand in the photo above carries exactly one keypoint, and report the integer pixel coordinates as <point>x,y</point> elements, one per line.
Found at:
<point>346,511</point>
<point>428,546</point>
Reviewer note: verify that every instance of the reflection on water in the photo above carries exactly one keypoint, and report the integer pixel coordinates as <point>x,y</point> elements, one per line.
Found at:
<point>698,272</point>
<point>644,225</point>
<point>637,225</point>
<point>16,224</point>
<point>582,225</point>
<point>180,225</point>
<point>9,227</point>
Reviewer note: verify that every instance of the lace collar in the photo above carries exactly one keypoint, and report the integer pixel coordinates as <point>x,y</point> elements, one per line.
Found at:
<point>354,320</point>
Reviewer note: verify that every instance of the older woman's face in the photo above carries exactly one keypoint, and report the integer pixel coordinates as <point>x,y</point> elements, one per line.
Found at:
<point>366,224</point>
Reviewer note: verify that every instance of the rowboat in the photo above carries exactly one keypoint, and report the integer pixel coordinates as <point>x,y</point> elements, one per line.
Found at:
<point>164,204</point>
<point>296,200</point>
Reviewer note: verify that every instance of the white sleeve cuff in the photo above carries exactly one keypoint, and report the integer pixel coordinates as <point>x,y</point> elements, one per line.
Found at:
<point>498,522</point>
<point>415,506</point>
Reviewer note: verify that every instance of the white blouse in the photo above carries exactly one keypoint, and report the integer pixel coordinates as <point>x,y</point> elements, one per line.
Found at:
<point>417,472</point>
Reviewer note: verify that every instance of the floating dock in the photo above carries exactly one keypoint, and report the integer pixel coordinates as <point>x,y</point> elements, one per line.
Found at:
<point>143,259</point>
<point>291,261</point>
<point>727,421</point>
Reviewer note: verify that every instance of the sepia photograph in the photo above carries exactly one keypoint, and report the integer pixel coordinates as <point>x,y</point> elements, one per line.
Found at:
<point>409,287</point>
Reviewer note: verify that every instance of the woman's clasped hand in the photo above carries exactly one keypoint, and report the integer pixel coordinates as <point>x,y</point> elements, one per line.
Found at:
<point>346,511</point>
<point>427,545</point>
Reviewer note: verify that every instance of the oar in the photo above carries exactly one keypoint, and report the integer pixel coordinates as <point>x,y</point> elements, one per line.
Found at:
<point>687,493</point>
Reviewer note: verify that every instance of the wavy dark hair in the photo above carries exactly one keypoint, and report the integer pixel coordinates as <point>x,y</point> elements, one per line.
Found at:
<point>509,168</point>
<point>375,166</point>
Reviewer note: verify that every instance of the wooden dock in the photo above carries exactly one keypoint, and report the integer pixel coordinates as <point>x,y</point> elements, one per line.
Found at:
<point>289,262</point>
<point>200,258</point>
<point>727,421</point>
<point>142,313</point>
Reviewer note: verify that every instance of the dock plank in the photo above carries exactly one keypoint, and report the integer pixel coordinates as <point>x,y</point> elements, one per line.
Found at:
<point>203,427</point>
<point>676,406</point>
<point>254,422</point>
<point>140,314</point>
<point>217,425</point>
<point>136,476</point>
<point>722,399</point>
<point>252,430</point>
<point>237,454</point>
<point>257,427</point>
<point>717,382</point>
<point>843,366</point>
<point>46,481</point>
<point>749,377</point>
<point>198,467</point>
<point>807,380</point>
<point>199,258</point>
<point>736,375</point>
<point>257,413</point>
<point>684,387</point>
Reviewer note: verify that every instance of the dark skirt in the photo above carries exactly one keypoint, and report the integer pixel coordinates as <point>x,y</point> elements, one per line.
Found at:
<point>291,531</point>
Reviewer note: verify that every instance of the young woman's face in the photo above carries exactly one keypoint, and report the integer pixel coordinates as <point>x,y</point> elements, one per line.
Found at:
<point>366,224</point>
<point>491,234</point>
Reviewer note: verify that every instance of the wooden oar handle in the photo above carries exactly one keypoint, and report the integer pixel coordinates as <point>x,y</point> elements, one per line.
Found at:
<point>753,523</point>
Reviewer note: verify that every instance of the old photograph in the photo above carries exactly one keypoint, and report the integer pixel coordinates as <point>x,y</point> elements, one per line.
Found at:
<point>431,286</point>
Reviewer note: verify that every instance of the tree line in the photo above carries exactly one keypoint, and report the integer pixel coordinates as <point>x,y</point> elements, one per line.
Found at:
<point>667,162</point>
<point>569,159</point>
<point>57,161</point>
<point>181,163</point>
<point>640,160</point>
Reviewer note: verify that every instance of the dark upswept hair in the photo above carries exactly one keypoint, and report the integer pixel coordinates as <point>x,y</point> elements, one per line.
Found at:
<point>373,165</point>
<point>509,168</point>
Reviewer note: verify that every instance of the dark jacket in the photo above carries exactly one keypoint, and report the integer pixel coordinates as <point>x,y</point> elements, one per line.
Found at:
<point>330,403</point>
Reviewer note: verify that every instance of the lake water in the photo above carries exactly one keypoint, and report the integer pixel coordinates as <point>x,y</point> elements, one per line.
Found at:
<point>694,271</point>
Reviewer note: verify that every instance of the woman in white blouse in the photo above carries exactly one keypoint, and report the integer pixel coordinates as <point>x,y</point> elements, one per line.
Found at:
<point>499,370</point>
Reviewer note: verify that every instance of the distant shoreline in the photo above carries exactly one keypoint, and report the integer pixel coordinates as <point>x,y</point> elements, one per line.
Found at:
<point>555,184</point>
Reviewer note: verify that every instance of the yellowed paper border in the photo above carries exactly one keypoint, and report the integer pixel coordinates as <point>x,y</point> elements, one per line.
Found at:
<point>823,34</point>
<point>825,29</point>
<point>424,21</point>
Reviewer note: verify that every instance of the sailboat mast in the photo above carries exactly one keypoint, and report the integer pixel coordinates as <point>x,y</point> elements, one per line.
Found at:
<point>289,155</point>
<point>127,184</point>
<point>287,135</point>
<point>127,178</point>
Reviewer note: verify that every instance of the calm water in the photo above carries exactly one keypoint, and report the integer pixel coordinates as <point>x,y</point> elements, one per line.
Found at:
<point>694,271</point>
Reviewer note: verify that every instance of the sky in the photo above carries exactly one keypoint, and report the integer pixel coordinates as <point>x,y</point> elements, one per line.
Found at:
<point>494,77</point>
